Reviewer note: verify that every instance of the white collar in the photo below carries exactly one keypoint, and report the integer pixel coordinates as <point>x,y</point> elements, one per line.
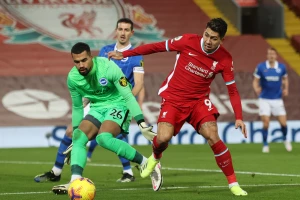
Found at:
<point>123,49</point>
<point>275,65</point>
<point>204,50</point>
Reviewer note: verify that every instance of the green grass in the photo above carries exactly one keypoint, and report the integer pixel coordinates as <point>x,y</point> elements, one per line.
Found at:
<point>16,180</point>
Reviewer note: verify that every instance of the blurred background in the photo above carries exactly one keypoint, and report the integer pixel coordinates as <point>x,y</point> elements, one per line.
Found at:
<point>36,37</point>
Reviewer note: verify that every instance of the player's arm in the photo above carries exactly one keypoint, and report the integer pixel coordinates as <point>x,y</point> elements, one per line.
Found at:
<point>256,81</point>
<point>138,75</point>
<point>285,84</point>
<point>77,106</point>
<point>175,44</point>
<point>234,96</point>
<point>141,97</point>
<point>124,89</point>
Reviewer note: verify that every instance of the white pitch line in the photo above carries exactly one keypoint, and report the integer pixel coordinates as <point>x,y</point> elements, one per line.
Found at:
<point>164,168</point>
<point>163,188</point>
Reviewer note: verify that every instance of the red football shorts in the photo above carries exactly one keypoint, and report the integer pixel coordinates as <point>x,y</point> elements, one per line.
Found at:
<point>195,113</point>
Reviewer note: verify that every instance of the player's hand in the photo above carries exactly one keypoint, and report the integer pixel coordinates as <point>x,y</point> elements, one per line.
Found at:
<point>67,153</point>
<point>147,131</point>
<point>240,124</point>
<point>115,55</point>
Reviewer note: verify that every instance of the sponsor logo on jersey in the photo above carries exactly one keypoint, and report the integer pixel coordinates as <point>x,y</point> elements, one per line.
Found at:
<point>103,81</point>
<point>177,38</point>
<point>123,81</point>
<point>72,21</point>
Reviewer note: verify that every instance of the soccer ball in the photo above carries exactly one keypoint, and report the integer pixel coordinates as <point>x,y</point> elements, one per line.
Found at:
<point>82,189</point>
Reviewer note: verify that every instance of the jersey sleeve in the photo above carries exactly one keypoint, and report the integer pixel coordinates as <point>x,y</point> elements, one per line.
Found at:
<point>123,86</point>
<point>234,95</point>
<point>77,106</point>
<point>102,52</point>
<point>284,72</point>
<point>257,72</point>
<point>138,66</point>
<point>227,72</point>
<point>175,44</point>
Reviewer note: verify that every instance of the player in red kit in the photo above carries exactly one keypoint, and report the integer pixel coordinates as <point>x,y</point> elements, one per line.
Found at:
<point>185,93</point>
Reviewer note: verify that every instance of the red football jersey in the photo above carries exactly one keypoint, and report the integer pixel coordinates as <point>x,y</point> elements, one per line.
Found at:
<point>194,70</point>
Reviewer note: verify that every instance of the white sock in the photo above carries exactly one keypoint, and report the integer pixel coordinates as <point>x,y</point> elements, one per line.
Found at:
<point>233,184</point>
<point>56,171</point>
<point>75,176</point>
<point>144,160</point>
<point>128,171</point>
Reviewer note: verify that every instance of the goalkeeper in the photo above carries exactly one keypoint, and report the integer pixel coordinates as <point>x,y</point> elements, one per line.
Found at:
<point>103,83</point>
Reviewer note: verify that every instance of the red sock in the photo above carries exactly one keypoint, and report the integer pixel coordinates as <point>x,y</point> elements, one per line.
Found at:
<point>224,161</point>
<point>158,148</point>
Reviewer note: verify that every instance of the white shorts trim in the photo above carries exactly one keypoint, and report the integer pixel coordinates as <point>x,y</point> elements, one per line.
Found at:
<point>271,106</point>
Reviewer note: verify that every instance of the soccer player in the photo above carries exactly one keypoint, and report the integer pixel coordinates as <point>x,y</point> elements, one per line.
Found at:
<point>133,70</point>
<point>185,94</point>
<point>104,84</point>
<point>270,83</point>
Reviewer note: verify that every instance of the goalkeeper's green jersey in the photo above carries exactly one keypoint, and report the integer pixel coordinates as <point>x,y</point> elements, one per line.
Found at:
<point>105,85</point>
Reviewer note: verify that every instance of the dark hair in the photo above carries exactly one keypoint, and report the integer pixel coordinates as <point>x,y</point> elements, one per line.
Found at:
<point>272,49</point>
<point>80,47</point>
<point>125,20</point>
<point>218,25</point>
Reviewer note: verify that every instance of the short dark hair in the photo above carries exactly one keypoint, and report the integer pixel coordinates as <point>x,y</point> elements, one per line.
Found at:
<point>125,20</point>
<point>272,49</point>
<point>80,47</point>
<point>218,25</point>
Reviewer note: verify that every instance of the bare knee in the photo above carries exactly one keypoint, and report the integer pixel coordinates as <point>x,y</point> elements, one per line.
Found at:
<point>165,132</point>
<point>209,130</point>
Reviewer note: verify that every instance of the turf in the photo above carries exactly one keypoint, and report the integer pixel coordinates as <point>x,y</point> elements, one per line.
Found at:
<point>190,172</point>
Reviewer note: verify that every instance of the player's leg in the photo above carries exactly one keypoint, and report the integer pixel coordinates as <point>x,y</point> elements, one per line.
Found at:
<point>91,149</point>
<point>171,119</point>
<point>204,119</point>
<point>265,113</point>
<point>127,171</point>
<point>209,131</point>
<point>278,110</point>
<point>111,128</point>
<point>55,174</point>
<point>86,131</point>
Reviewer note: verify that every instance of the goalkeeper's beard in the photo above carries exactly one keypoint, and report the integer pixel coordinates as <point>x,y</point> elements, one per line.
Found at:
<point>83,71</point>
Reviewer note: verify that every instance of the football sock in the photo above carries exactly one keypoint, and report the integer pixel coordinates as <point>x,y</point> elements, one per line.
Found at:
<point>91,148</point>
<point>158,148</point>
<point>284,132</point>
<point>265,136</point>
<point>224,161</point>
<point>78,153</point>
<point>60,157</point>
<point>121,148</point>
<point>124,161</point>
<point>57,171</point>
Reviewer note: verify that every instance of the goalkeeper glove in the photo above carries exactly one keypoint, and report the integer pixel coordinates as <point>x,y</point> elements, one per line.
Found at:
<point>147,131</point>
<point>67,153</point>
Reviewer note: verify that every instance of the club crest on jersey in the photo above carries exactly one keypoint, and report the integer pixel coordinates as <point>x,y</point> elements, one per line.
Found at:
<point>123,81</point>
<point>278,70</point>
<point>103,81</point>
<point>124,59</point>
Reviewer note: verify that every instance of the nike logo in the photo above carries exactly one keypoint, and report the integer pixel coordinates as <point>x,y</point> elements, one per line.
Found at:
<point>190,54</point>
